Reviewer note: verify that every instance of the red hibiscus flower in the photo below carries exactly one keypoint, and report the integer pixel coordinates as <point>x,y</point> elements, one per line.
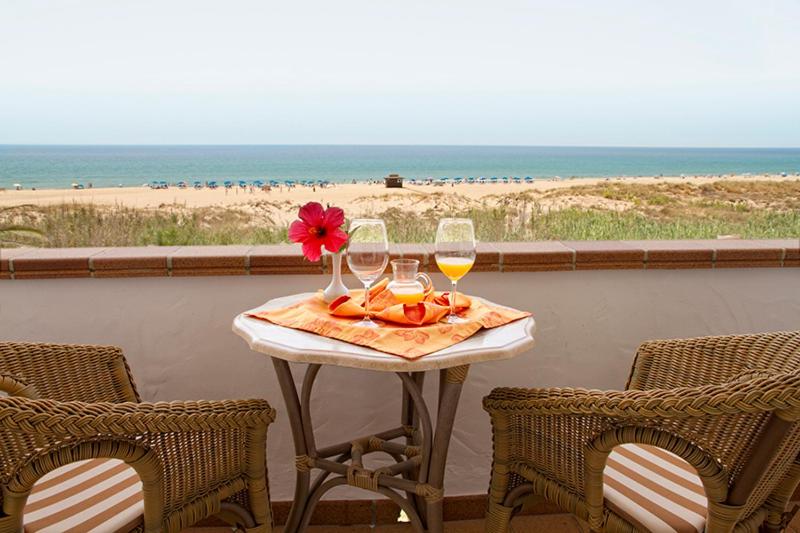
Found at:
<point>318,227</point>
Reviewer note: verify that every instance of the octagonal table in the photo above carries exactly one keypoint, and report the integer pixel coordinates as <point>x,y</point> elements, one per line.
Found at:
<point>420,455</point>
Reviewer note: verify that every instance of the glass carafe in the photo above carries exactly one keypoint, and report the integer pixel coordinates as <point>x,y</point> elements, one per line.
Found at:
<point>408,285</point>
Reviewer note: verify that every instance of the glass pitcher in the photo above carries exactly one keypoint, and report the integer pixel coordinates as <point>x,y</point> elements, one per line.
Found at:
<point>407,285</point>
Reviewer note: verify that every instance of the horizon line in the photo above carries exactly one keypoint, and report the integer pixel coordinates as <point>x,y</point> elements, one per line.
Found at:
<point>677,147</point>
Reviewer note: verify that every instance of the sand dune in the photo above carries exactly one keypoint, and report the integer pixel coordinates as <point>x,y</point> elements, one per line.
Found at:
<point>353,197</point>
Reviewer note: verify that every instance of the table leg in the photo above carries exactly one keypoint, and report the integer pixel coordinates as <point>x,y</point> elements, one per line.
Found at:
<point>422,478</point>
<point>293,413</point>
<point>450,385</point>
<point>410,418</point>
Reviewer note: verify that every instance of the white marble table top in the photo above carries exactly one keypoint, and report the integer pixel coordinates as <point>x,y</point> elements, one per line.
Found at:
<point>298,346</point>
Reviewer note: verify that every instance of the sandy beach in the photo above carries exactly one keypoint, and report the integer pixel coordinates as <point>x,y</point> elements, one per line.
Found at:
<point>756,206</point>
<point>354,198</point>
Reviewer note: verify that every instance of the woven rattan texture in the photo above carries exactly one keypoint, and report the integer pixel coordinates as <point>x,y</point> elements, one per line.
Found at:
<point>194,458</point>
<point>710,400</point>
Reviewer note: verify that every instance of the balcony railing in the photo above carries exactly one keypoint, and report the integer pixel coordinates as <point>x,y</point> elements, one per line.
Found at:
<point>26,263</point>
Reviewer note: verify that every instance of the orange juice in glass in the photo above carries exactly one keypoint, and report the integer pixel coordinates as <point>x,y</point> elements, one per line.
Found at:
<point>455,255</point>
<point>454,268</point>
<point>405,296</point>
<point>408,286</point>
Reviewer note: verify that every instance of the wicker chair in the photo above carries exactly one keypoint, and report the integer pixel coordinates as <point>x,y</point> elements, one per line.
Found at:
<point>728,406</point>
<point>71,405</point>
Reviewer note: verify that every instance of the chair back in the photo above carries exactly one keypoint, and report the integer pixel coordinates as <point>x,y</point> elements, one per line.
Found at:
<point>85,373</point>
<point>771,467</point>
<point>59,372</point>
<point>757,448</point>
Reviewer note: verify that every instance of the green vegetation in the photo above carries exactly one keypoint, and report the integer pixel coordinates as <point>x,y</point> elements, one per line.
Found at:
<point>757,210</point>
<point>74,225</point>
<point>609,211</point>
<point>12,234</point>
<point>501,224</point>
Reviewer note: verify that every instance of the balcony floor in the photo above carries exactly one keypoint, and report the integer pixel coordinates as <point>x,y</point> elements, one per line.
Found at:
<point>556,523</point>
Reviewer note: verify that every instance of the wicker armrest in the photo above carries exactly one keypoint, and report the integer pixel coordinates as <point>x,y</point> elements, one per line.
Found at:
<point>664,364</point>
<point>79,419</point>
<point>189,455</point>
<point>759,394</point>
<point>547,434</point>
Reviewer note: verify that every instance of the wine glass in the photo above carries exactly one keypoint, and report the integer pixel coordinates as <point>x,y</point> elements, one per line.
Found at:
<point>367,257</point>
<point>455,255</point>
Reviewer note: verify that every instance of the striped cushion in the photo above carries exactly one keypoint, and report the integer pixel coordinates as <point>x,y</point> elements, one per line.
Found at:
<point>654,490</point>
<point>98,495</point>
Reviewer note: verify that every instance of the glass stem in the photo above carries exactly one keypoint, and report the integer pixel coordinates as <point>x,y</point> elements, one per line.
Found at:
<point>453,295</point>
<point>366,301</point>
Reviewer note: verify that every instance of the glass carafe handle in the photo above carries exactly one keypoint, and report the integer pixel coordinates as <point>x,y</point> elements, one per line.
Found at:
<point>427,282</point>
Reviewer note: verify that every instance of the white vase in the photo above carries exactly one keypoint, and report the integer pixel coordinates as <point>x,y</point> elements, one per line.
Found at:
<point>336,287</point>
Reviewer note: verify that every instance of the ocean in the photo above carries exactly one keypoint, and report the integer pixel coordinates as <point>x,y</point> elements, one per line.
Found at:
<point>111,166</point>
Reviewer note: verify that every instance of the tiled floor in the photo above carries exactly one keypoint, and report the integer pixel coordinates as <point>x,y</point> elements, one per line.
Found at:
<point>555,523</point>
<point>551,523</point>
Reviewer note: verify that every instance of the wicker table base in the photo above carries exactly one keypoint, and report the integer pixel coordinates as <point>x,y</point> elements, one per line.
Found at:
<point>415,482</point>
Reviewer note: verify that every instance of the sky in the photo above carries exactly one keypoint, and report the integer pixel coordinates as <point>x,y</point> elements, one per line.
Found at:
<point>575,73</point>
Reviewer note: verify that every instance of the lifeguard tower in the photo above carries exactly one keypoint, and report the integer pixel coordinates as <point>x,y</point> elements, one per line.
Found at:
<point>393,181</point>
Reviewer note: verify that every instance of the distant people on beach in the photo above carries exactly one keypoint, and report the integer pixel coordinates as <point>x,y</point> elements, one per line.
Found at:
<point>253,186</point>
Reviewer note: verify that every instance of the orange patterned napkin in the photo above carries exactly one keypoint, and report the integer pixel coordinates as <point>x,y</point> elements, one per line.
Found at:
<point>400,332</point>
<point>384,306</point>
